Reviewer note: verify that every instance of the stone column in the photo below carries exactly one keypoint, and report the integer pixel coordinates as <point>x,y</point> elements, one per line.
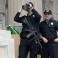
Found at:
<point>55,9</point>
<point>2,14</point>
<point>48,4</point>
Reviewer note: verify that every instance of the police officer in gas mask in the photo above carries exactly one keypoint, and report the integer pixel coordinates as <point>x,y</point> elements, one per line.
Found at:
<point>28,43</point>
<point>48,29</point>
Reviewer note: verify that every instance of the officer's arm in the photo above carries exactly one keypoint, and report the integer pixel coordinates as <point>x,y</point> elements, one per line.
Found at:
<point>40,27</point>
<point>56,25</point>
<point>43,38</point>
<point>17,18</point>
<point>38,16</point>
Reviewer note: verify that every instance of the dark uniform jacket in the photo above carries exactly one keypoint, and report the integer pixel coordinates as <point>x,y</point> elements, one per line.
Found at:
<point>34,19</point>
<point>48,29</point>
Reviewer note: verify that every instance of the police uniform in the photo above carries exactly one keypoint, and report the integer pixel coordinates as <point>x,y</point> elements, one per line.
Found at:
<point>48,30</point>
<point>27,44</point>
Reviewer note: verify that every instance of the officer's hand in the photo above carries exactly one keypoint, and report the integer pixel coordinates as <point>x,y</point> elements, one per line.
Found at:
<point>45,40</point>
<point>56,40</point>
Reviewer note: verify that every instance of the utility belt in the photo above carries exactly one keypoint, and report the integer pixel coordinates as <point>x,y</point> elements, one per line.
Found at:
<point>51,40</point>
<point>23,34</point>
<point>26,35</point>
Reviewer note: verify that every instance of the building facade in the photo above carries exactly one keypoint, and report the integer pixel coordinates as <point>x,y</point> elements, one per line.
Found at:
<point>8,9</point>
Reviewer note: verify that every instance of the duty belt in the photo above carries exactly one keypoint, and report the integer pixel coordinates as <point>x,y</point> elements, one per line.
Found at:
<point>51,40</point>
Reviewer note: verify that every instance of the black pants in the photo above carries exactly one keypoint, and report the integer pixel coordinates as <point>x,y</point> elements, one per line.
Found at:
<point>25,46</point>
<point>50,50</point>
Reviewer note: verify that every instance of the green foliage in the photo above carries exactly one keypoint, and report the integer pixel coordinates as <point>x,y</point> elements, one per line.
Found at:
<point>13,31</point>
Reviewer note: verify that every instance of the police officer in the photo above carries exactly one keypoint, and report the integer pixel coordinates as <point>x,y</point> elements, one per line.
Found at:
<point>28,44</point>
<point>48,29</point>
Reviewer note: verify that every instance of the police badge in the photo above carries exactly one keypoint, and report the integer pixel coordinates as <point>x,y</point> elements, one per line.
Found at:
<point>51,23</point>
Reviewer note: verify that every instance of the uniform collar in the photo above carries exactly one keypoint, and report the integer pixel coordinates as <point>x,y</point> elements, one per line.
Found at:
<point>48,21</point>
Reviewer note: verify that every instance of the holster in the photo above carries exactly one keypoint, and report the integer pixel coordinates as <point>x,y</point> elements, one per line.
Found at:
<point>23,34</point>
